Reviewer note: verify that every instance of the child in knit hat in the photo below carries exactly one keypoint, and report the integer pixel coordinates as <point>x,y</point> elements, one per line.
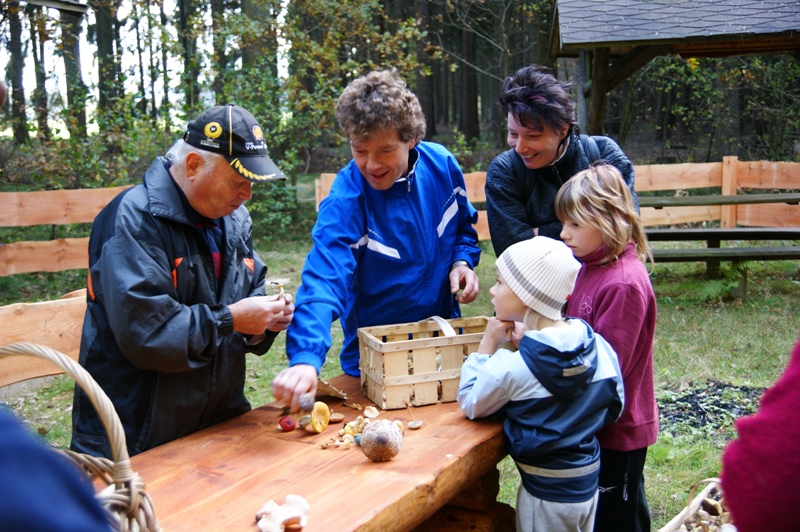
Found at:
<point>554,393</point>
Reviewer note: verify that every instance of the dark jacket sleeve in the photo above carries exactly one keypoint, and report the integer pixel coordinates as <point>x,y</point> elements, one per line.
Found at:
<point>505,204</point>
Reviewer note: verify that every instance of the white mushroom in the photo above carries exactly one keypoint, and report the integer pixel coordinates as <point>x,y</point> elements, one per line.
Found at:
<point>292,515</point>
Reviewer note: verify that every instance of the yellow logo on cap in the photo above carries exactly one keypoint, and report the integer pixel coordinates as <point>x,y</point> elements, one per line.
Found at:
<point>213,130</point>
<point>258,133</point>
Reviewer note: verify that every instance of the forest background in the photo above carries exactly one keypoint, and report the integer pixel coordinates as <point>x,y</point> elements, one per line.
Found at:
<point>95,97</point>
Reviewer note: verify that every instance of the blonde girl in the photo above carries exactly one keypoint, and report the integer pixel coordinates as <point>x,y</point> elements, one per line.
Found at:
<point>613,294</point>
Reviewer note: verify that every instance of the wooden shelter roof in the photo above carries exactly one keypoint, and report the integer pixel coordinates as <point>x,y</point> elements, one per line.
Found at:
<point>624,35</point>
<point>76,7</point>
<point>691,28</point>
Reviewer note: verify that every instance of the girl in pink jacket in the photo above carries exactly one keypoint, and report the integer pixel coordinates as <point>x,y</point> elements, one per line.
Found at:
<point>613,294</point>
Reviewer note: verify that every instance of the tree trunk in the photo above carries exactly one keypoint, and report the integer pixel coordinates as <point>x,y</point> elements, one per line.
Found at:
<point>425,79</point>
<point>38,37</point>
<point>251,45</point>
<point>217,20</point>
<point>18,122</point>
<point>137,19</point>
<point>105,15</point>
<point>469,106</point>
<point>188,40</point>
<point>76,89</point>
<point>165,105</point>
<point>152,66</point>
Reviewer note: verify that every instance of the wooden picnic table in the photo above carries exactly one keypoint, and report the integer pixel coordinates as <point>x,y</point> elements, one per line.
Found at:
<point>218,478</point>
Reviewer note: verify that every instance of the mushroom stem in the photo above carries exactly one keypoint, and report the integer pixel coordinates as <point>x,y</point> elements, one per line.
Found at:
<point>410,412</point>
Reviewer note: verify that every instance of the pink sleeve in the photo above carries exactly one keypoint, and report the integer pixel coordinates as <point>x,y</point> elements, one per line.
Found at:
<point>760,467</point>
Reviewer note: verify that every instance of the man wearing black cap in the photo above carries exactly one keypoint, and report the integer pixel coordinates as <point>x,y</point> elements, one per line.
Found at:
<point>176,292</point>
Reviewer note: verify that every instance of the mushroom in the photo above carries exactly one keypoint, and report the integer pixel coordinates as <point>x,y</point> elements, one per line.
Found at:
<point>320,416</point>
<point>291,515</point>
<point>371,412</point>
<point>413,424</point>
<point>381,440</point>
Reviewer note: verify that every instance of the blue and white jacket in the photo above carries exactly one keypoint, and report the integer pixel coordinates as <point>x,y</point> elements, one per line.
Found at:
<point>554,394</point>
<point>382,257</point>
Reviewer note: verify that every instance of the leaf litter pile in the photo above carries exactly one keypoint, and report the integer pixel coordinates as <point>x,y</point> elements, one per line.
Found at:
<point>709,407</point>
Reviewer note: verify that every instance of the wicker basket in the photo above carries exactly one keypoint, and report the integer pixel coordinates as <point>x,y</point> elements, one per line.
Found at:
<point>127,505</point>
<point>416,363</point>
<point>688,519</point>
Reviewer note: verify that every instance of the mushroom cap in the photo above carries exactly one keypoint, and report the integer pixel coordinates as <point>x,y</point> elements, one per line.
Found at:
<point>320,417</point>
<point>381,440</point>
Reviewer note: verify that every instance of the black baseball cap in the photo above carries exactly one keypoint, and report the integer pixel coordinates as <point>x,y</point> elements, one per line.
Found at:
<point>233,132</point>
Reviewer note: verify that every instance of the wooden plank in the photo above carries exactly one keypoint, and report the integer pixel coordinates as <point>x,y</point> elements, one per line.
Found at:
<point>44,256</point>
<point>482,227</point>
<point>658,202</point>
<point>323,187</point>
<point>778,215</point>
<point>728,254</point>
<point>677,176</point>
<point>475,183</point>
<point>718,233</point>
<point>769,175</point>
<point>678,215</point>
<point>56,324</point>
<point>57,207</point>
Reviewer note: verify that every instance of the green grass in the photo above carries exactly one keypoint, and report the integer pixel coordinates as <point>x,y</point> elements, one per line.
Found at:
<point>702,333</point>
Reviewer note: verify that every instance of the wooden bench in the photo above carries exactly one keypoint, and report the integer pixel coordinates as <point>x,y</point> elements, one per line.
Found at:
<point>49,208</point>
<point>737,213</point>
<point>56,324</point>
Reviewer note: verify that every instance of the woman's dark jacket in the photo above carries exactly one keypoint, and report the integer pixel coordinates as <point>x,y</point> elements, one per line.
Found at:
<point>519,199</point>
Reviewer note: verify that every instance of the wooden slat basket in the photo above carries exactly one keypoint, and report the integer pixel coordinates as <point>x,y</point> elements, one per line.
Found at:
<point>416,363</point>
<point>127,505</point>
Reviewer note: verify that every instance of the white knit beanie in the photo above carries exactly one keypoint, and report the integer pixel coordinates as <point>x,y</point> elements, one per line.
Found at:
<point>542,272</point>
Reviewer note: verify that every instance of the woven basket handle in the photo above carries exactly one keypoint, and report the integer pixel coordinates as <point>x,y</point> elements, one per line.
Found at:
<point>100,401</point>
<point>447,329</point>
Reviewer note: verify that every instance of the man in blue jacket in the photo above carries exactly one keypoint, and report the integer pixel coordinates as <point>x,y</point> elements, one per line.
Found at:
<point>176,293</point>
<point>393,241</point>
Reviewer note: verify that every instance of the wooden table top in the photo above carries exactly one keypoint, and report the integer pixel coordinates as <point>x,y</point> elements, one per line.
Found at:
<point>218,478</point>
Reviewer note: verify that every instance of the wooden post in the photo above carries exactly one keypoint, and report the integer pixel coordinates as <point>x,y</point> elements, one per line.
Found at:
<point>597,97</point>
<point>730,167</point>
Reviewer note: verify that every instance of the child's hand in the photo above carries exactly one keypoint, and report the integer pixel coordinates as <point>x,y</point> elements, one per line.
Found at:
<point>519,332</point>
<point>497,333</point>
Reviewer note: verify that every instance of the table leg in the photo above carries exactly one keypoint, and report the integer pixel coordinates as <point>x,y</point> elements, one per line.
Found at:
<point>474,508</point>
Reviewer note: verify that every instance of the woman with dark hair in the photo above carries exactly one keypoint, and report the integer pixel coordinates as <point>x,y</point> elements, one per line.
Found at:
<point>546,150</point>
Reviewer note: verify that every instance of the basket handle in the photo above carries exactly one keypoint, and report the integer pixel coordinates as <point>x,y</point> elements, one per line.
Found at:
<point>447,329</point>
<point>100,401</point>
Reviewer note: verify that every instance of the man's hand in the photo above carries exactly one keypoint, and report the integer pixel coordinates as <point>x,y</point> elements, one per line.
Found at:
<point>291,383</point>
<point>254,315</point>
<point>464,279</point>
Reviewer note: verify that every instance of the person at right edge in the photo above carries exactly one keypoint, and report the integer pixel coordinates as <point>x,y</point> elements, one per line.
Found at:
<point>613,294</point>
<point>546,150</point>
